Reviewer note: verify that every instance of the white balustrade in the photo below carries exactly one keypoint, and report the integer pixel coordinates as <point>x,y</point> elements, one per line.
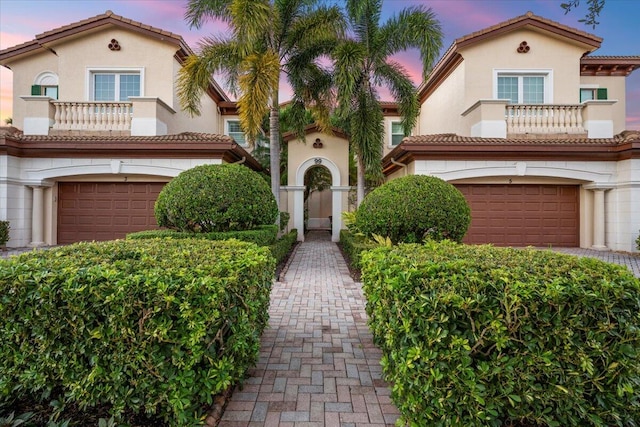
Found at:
<point>89,116</point>
<point>539,118</point>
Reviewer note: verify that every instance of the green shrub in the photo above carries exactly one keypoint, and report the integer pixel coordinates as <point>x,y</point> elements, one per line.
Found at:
<point>284,220</point>
<point>155,326</point>
<point>283,245</point>
<point>413,208</point>
<point>638,242</point>
<point>216,198</point>
<point>353,246</point>
<point>483,336</point>
<point>5,226</point>
<point>263,235</point>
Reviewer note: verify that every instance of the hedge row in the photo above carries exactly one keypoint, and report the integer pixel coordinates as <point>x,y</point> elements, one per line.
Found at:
<point>483,336</point>
<point>263,235</point>
<point>282,246</point>
<point>353,245</point>
<point>154,326</point>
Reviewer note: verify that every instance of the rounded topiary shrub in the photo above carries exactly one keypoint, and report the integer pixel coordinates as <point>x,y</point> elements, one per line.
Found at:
<point>216,198</point>
<point>413,208</point>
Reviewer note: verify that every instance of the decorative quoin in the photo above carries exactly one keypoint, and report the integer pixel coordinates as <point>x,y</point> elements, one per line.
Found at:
<point>114,45</point>
<point>523,48</point>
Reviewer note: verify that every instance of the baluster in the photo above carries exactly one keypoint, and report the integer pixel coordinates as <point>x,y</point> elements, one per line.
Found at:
<point>509,114</point>
<point>99,117</point>
<point>56,116</point>
<point>579,119</point>
<point>572,119</point>
<point>538,111</point>
<point>85,113</point>
<point>127,117</point>
<point>556,114</point>
<point>563,119</point>
<point>544,118</point>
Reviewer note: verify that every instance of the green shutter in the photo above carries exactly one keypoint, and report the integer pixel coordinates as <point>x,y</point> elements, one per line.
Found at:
<point>602,93</point>
<point>36,90</point>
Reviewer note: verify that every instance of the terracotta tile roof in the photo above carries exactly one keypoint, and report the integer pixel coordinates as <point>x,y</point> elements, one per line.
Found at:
<point>107,14</point>
<point>528,18</point>
<point>608,65</point>
<point>452,138</point>
<point>89,139</point>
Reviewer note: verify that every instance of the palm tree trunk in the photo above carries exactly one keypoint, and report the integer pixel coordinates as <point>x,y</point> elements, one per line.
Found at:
<point>360,182</point>
<point>274,147</point>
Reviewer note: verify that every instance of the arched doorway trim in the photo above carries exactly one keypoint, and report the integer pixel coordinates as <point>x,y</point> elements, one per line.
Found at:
<point>336,196</point>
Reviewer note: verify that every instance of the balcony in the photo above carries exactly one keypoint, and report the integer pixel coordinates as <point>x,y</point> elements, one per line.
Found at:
<point>497,118</point>
<point>142,116</point>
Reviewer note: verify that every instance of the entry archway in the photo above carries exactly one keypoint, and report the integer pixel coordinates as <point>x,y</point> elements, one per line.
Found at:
<point>336,195</point>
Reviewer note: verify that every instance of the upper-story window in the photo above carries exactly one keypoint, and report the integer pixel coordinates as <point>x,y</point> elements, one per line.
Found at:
<point>524,87</point>
<point>397,133</point>
<point>234,130</point>
<point>46,84</point>
<point>114,84</point>
<point>588,94</point>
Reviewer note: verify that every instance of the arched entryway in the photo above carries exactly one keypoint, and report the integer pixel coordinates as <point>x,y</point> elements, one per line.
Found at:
<point>336,190</point>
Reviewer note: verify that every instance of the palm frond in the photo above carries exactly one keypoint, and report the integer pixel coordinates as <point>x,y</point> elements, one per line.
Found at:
<point>260,74</point>
<point>198,11</point>
<point>393,76</point>
<point>366,123</point>
<point>321,26</point>
<point>348,59</point>
<point>252,21</point>
<point>414,27</point>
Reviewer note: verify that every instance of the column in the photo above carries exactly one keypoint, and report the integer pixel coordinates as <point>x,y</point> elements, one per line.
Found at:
<point>598,220</point>
<point>37,217</point>
<point>338,195</point>
<point>298,209</point>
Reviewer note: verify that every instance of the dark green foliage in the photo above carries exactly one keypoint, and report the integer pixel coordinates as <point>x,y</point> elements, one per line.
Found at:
<point>216,198</point>
<point>483,336</point>
<point>4,232</point>
<point>638,242</point>
<point>156,326</point>
<point>353,246</point>
<point>284,220</point>
<point>413,208</point>
<point>282,246</point>
<point>263,235</point>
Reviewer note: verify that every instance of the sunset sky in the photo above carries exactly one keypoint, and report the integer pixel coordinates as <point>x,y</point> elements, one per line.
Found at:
<point>21,20</point>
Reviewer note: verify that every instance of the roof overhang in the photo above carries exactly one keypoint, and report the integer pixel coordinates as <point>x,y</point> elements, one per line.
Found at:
<point>608,65</point>
<point>452,147</point>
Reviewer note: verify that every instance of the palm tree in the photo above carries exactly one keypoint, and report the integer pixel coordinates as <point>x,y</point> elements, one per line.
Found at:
<point>268,38</point>
<point>363,63</point>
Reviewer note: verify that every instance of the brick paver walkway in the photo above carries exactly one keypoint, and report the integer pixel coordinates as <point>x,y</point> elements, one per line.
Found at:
<point>318,365</point>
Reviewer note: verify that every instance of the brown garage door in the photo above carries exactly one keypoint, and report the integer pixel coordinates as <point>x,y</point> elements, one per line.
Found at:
<point>104,210</point>
<point>523,215</point>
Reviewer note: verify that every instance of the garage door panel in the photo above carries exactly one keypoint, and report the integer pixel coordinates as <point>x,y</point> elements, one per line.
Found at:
<point>105,211</point>
<point>522,215</point>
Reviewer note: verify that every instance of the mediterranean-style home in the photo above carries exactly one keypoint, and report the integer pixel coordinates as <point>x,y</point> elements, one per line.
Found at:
<point>519,116</point>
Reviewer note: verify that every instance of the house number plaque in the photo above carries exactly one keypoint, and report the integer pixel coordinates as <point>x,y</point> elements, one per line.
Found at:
<point>317,161</point>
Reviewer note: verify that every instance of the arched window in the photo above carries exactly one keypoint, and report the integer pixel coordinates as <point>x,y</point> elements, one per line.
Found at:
<point>46,84</point>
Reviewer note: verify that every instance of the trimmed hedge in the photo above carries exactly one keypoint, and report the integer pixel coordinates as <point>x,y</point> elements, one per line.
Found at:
<point>155,326</point>
<point>413,208</point>
<point>483,336</point>
<point>280,249</point>
<point>216,198</point>
<point>354,245</point>
<point>263,235</point>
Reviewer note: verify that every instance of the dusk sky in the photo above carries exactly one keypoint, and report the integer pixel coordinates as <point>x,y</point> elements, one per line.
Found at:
<point>21,20</point>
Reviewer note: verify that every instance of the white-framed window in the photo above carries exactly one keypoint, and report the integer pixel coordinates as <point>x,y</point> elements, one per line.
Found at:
<point>524,86</point>
<point>591,93</point>
<point>46,84</point>
<point>234,130</point>
<point>114,84</point>
<point>397,133</point>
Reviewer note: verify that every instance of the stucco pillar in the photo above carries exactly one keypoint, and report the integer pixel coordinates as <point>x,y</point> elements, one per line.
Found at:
<point>37,217</point>
<point>338,194</point>
<point>598,220</point>
<point>298,209</point>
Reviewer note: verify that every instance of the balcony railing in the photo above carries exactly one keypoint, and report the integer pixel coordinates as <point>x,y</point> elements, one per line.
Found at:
<point>92,116</point>
<point>544,119</point>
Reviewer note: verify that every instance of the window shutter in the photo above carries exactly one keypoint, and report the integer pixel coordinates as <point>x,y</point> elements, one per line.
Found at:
<point>602,93</point>
<point>36,90</point>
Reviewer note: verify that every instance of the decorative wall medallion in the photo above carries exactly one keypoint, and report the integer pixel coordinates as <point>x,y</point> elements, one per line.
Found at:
<point>114,45</point>
<point>317,143</point>
<point>523,48</point>
<point>317,161</point>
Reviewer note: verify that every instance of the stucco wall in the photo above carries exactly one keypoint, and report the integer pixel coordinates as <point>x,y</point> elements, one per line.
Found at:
<point>441,112</point>
<point>616,90</point>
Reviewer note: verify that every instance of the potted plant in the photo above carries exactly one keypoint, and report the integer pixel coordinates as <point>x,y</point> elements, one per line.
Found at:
<point>4,234</point>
